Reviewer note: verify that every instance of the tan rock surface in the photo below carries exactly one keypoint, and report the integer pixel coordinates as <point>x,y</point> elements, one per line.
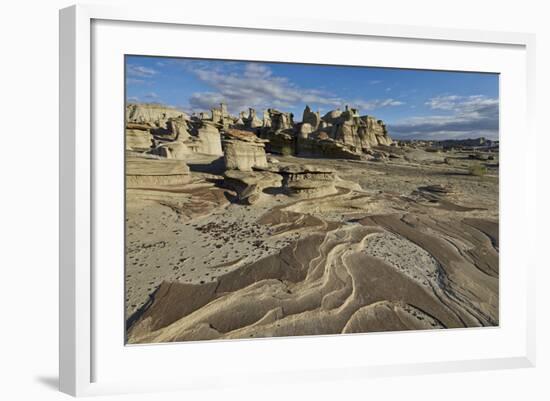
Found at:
<point>243,151</point>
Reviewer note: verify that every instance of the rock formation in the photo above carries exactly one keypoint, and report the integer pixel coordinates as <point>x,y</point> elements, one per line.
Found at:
<point>210,140</point>
<point>178,129</point>
<point>252,121</point>
<point>362,132</point>
<point>147,172</point>
<point>279,131</point>
<point>175,150</point>
<point>221,116</point>
<point>170,133</point>
<point>243,150</point>
<point>138,137</point>
<point>280,120</point>
<point>308,181</point>
<point>311,118</point>
<point>338,134</point>
<point>250,185</point>
<point>155,115</point>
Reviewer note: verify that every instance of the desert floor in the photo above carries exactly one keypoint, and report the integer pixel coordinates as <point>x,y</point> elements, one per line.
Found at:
<point>410,243</point>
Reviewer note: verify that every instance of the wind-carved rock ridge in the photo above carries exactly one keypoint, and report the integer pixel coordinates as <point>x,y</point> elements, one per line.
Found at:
<point>331,281</point>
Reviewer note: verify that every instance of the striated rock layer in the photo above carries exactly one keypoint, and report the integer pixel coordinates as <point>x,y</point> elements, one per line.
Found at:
<point>383,272</point>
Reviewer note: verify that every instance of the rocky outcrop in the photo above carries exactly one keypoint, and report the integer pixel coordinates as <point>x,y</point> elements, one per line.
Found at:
<point>311,118</point>
<point>250,185</point>
<point>323,146</point>
<point>149,172</point>
<point>170,133</point>
<point>280,120</point>
<point>280,132</point>
<point>175,150</point>
<point>308,181</point>
<point>243,150</point>
<point>138,138</point>
<point>178,129</point>
<point>252,121</point>
<point>266,122</point>
<point>357,133</point>
<point>362,132</point>
<point>221,116</point>
<point>155,115</point>
<point>338,134</point>
<point>209,139</point>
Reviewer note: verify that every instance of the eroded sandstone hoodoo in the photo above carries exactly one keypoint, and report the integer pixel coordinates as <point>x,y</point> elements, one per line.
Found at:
<point>307,180</point>
<point>171,133</point>
<point>337,134</point>
<point>249,185</point>
<point>138,137</point>
<point>155,115</point>
<point>209,139</point>
<point>349,128</point>
<point>243,150</point>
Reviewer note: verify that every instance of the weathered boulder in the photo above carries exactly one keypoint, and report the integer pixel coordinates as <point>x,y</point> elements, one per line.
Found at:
<point>243,150</point>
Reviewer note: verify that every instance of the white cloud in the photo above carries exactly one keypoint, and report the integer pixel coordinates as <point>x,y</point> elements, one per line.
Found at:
<point>467,117</point>
<point>140,71</point>
<point>256,86</point>
<point>376,104</point>
<point>152,95</point>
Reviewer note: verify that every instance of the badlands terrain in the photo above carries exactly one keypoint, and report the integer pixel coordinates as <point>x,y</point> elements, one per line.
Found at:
<point>247,227</point>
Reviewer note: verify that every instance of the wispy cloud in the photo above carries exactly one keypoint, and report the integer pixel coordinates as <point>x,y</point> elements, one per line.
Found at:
<point>376,103</point>
<point>465,117</point>
<point>135,81</point>
<point>152,95</point>
<point>256,86</point>
<point>140,71</point>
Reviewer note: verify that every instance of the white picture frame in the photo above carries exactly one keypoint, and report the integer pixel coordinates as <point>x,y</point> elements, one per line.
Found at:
<point>82,343</point>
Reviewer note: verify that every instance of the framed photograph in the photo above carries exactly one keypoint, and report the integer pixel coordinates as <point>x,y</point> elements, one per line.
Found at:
<point>290,198</point>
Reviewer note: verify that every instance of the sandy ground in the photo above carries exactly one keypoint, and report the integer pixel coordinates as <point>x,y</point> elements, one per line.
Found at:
<point>185,243</point>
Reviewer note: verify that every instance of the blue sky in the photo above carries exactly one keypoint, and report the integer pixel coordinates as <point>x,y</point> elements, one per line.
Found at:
<point>413,103</point>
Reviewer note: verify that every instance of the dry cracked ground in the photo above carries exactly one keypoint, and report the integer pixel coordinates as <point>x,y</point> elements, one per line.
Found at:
<point>411,243</point>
